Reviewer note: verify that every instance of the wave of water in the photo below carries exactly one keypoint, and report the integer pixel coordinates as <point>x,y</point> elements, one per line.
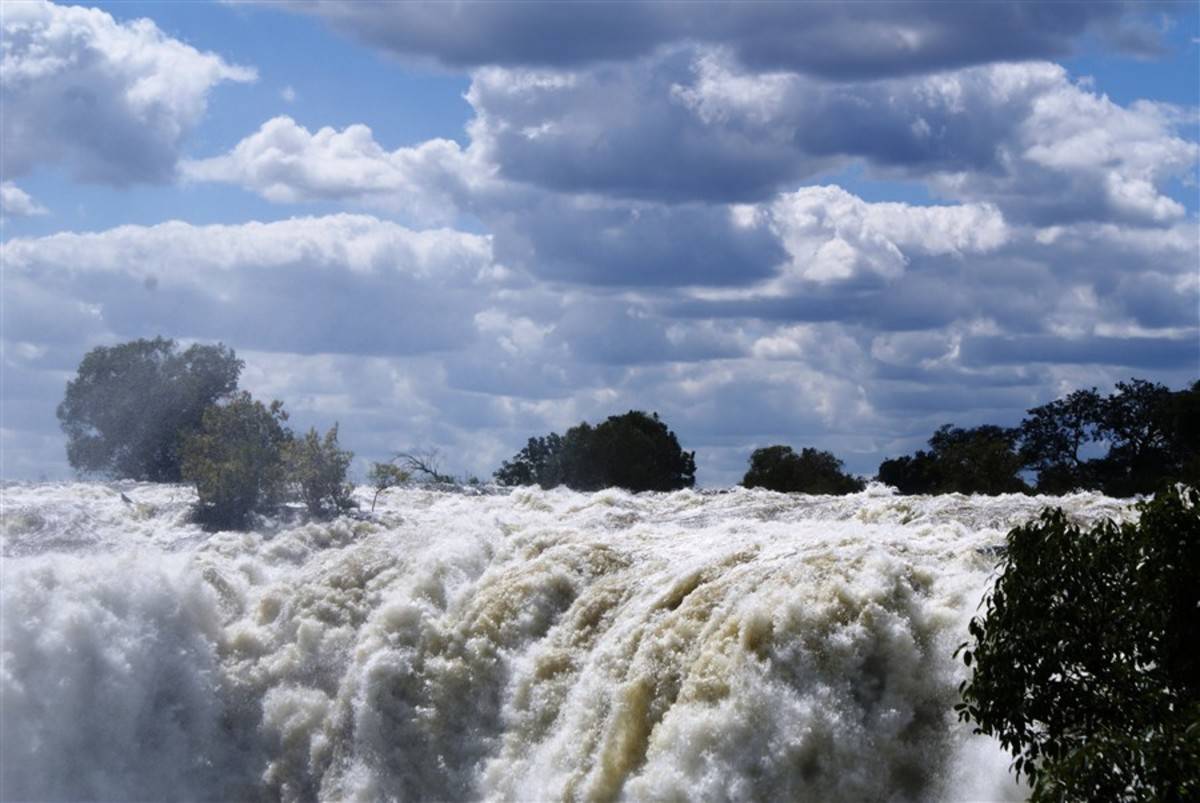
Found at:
<point>536,645</point>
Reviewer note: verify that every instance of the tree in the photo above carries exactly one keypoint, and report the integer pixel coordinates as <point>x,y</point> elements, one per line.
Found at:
<point>638,452</point>
<point>236,460</point>
<point>634,451</point>
<point>1149,432</point>
<point>130,406</point>
<point>779,468</point>
<point>1136,422</point>
<point>425,463</point>
<point>1052,437</point>
<point>1085,660</point>
<point>383,476</point>
<point>536,464</point>
<point>317,468</point>
<point>980,460</point>
<point>916,474</point>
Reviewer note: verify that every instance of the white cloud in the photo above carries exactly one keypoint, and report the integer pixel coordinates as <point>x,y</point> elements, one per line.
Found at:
<point>691,123</point>
<point>831,235</point>
<point>288,94</point>
<point>293,286</point>
<point>16,202</point>
<point>112,101</point>
<point>286,163</point>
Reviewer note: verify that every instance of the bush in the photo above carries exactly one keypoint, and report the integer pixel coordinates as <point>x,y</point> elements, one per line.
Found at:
<point>634,451</point>
<point>1085,660</point>
<point>779,468</point>
<point>130,406</point>
<point>317,468</point>
<point>236,460</point>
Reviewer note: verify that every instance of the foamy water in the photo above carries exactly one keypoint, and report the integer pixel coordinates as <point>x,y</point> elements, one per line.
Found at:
<point>526,646</point>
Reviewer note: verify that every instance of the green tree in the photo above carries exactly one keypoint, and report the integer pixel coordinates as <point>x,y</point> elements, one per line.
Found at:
<point>1136,421</point>
<point>236,460</point>
<point>1053,436</point>
<point>1085,660</point>
<point>634,451</point>
<point>317,468</point>
<point>130,406</point>
<point>911,474</point>
<point>383,476</point>
<point>980,460</point>
<point>779,468</point>
<point>638,452</point>
<point>536,464</point>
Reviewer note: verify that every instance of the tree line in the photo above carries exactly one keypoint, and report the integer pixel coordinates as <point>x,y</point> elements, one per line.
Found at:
<point>149,410</point>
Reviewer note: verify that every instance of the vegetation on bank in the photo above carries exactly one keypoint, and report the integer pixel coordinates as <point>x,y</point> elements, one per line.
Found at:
<point>148,410</point>
<point>1149,435</point>
<point>1085,660</point>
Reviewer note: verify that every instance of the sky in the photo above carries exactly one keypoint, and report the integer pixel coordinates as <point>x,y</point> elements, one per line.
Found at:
<point>454,226</point>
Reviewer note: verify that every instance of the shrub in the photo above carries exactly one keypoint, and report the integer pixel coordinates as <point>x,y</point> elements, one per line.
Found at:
<point>779,468</point>
<point>236,460</point>
<point>317,468</point>
<point>130,406</point>
<point>1085,660</point>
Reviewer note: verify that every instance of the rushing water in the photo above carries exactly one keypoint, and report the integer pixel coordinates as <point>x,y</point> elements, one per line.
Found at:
<point>531,646</point>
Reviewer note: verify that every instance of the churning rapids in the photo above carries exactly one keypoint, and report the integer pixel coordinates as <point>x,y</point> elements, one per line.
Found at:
<point>741,645</point>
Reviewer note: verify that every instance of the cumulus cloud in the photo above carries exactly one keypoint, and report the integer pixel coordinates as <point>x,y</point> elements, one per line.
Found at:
<point>690,124</point>
<point>832,235</point>
<point>15,202</point>
<point>290,286</point>
<point>828,39</point>
<point>110,101</point>
<point>284,162</point>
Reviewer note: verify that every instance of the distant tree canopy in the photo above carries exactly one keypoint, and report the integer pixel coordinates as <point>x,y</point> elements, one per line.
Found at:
<point>1085,660</point>
<point>129,406</point>
<point>1148,434</point>
<point>634,451</point>
<point>779,468</point>
<point>982,460</point>
<point>1152,436</point>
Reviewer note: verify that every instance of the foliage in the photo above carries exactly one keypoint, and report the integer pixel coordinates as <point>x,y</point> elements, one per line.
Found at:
<point>536,464</point>
<point>1145,425</point>
<point>1085,660</point>
<point>1149,431</point>
<point>129,406</point>
<point>317,468</point>
<point>1052,437</point>
<point>916,474</point>
<point>236,460</point>
<point>779,468</point>
<point>634,451</point>
<point>981,460</point>
<point>383,476</point>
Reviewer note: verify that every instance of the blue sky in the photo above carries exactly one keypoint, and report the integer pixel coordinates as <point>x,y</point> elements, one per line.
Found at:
<point>456,226</point>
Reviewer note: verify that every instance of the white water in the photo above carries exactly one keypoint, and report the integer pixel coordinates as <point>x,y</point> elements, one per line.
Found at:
<point>533,646</point>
